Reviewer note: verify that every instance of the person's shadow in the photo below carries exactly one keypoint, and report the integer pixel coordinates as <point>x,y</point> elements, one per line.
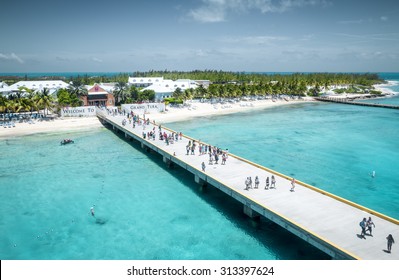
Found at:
<point>386,251</point>
<point>361,236</point>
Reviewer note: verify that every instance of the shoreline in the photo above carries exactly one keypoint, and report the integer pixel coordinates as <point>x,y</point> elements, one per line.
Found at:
<point>192,110</point>
<point>197,109</point>
<point>56,126</point>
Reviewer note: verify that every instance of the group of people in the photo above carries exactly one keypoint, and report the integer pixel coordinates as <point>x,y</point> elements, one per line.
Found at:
<point>214,152</point>
<point>270,184</point>
<point>368,225</point>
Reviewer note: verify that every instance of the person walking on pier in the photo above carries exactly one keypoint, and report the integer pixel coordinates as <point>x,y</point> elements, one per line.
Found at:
<point>370,223</point>
<point>224,157</point>
<point>267,183</point>
<point>292,184</point>
<point>247,184</point>
<point>363,225</point>
<point>390,241</point>
<point>273,185</point>
<point>203,166</point>
<point>256,182</point>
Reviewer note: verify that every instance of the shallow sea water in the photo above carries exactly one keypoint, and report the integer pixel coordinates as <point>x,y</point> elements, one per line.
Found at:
<point>143,210</point>
<point>146,211</point>
<point>334,147</point>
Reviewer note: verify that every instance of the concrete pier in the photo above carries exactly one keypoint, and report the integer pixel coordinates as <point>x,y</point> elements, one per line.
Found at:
<point>345,101</point>
<point>328,222</point>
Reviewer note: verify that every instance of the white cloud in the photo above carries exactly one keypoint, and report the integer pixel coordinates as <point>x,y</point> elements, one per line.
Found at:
<point>60,58</point>
<point>217,10</point>
<point>11,56</point>
<point>353,21</point>
<point>254,40</point>
<point>384,18</point>
<point>95,59</point>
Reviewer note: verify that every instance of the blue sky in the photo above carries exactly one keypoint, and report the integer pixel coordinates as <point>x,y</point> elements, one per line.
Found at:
<point>235,35</point>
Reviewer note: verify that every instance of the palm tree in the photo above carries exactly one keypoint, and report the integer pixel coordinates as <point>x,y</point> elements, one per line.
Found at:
<point>178,94</point>
<point>9,106</point>
<point>120,92</point>
<point>45,99</point>
<point>189,93</point>
<point>3,102</point>
<point>77,87</point>
<point>33,98</point>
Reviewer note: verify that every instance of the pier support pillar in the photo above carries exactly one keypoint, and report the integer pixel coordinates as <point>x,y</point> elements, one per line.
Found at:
<point>166,160</point>
<point>250,212</point>
<point>126,135</point>
<point>199,181</point>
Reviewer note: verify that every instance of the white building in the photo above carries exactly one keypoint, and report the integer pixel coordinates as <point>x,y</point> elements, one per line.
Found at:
<point>166,88</point>
<point>162,88</point>
<point>4,89</point>
<point>52,85</point>
<point>144,81</point>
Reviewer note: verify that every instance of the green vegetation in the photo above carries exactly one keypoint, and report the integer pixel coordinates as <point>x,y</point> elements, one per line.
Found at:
<point>222,85</point>
<point>223,77</point>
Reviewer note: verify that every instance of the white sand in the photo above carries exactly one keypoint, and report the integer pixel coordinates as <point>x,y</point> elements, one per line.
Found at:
<point>197,109</point>
<point>380,87</point>
<point>383,87</point>
<point>57,125</point>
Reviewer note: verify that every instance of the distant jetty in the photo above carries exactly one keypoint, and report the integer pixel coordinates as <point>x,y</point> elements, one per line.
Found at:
<point>351,102</point>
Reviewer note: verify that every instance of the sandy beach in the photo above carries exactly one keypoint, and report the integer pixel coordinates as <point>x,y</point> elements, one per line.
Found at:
<point>57,125</point>
<point>173,114</point>
<point>192,109</point>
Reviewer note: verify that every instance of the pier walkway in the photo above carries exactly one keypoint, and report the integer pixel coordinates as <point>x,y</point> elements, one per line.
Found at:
<point>324,220</point>
<point>345,101</point>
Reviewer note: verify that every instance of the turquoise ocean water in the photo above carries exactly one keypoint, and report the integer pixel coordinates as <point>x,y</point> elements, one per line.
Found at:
<point>147,211</point>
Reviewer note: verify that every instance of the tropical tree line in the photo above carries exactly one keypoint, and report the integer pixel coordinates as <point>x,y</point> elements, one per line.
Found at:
<point>29,101</point>
<point>312,79</point>
<point>125,94</point>
<point>26,100</point>
<point>223,85</point>
<point>222,77</point>
<point>220,91</point>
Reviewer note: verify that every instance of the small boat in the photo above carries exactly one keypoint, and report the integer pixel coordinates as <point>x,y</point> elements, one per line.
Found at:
<point>66,141</point>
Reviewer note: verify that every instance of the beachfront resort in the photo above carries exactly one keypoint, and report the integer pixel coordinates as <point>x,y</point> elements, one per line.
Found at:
<point>47,98</point>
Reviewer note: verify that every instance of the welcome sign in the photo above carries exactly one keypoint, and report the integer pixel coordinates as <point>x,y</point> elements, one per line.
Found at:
<point>84,111</point>
<point>144,108</point>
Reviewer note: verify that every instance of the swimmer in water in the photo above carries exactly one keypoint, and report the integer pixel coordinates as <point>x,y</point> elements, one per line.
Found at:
<point>92,210</point>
